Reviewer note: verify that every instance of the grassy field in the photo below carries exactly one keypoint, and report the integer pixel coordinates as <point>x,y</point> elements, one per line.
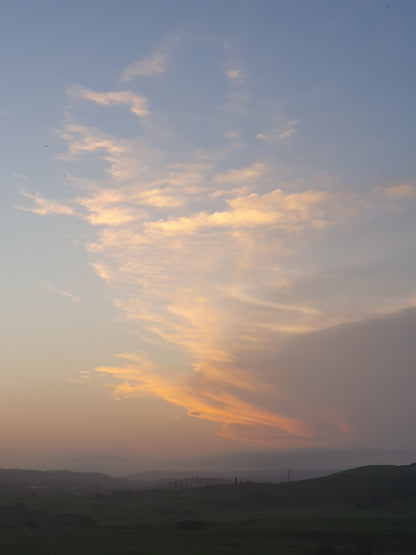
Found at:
<point>358,512</point>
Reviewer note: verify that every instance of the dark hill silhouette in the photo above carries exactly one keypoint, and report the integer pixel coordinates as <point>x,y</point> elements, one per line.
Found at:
<point>365,486</point>
<point>14,480</point>
<point>361,487</point>
<point>274,475</point>
<point>55,481</point>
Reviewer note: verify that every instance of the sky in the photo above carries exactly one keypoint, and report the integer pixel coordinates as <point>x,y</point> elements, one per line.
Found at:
<point>208,230</point>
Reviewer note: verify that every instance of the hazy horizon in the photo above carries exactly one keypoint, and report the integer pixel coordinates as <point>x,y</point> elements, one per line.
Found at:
<point>208,245</point>
<point>313,460</point>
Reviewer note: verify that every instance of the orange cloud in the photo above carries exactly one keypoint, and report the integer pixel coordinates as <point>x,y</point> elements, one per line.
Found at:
<point>398,192</point>
<point>212,402</point>
<point>314,209</point>
<point>153,65</point>
<point>43,206</point>
<point>237,177</point>
<point>136,104</point>
<point>199,273</point>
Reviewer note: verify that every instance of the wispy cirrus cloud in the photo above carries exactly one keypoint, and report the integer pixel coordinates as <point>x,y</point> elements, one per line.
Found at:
<point>136,104</point>
<point>232,66</point>
<point>209,254</point>
<point>235,75</point>
<point>202,398</point>
<point>274,209</point>
<point>243,176</point>
<point>63,292</point>
<point>124,159</point>
<point>153,65</point>
<point>282,131</point>
<point>237,98</point>
<point>43,206</point>
<point>184,279</point>
<point>184,265</point>
<point>399,192</point>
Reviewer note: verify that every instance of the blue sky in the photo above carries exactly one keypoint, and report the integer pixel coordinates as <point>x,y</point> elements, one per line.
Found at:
<point>189,190</point>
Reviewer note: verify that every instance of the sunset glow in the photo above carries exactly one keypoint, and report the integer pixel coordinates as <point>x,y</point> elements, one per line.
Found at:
<point>210,229</point>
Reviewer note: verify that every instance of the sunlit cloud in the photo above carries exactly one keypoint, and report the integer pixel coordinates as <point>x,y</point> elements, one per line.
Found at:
<point>232,134</point>
<point>236,103</point>
<point>43,206</point>
<point>281,132</point>
<point>63,292</point>
<point>205,399</point>
<point>211,257</point>
<point>124,160</point>
<point>233,66</point>
<point>315,209</point>
<point>236,76</point>
<point>136,104</point>
<point>398,192</point>
<point>250,174</point>
<point>155,64</point>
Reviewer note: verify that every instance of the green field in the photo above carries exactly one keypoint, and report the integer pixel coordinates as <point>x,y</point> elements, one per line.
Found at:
<point>364,511</point>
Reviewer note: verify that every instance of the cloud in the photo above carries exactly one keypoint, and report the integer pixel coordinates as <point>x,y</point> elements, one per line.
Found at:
<point>108,207</point>
<point>81,138</point>
<point>136,104</point>
<point>281,132</point>
<point>399,192</point>
<point>314,209</point>
<point>218,263</point>
<point>249,174</point>
<point>125,160</point>
<point>182,275</point>
<point>237,102</point>
<point>64,293</point>
<point>232,134</point>
<point>236,76</point>
<point>209,402</point>
<point>232,66</point>
<point>155,64</point>
<point>44,206</point>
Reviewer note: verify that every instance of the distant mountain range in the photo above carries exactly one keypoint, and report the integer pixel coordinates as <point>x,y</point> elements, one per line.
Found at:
<point>55,481</point>
<point>366,486</point>
<point>65,481</point>
<point>273,475</point>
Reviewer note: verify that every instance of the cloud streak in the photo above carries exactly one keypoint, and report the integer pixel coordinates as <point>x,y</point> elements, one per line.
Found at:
<point>281,132</point>
<point>136,104</point>
<point>207,401</point>
<point>399,192</point>
<point>43,206</point>
<point>63,292</point>
<point>153,65</point>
